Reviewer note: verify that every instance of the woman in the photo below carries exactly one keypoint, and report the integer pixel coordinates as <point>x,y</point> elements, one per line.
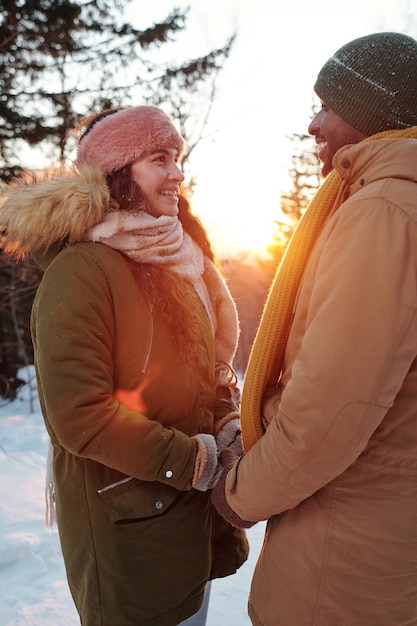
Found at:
<point>134,333</point>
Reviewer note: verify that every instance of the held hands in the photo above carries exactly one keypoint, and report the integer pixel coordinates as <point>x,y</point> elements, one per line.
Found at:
<point>227,431</point>
<point>218,495</point>
<point>228,438</point>
<point>207,468</point>
<point>210,473</point>
<point>208,465</point>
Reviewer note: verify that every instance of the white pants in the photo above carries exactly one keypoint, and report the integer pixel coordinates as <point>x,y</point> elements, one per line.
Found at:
<point>200,618</point>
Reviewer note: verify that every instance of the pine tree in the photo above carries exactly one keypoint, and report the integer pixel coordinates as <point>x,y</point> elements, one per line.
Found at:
<point>60,61</point>
<point>304,173</point>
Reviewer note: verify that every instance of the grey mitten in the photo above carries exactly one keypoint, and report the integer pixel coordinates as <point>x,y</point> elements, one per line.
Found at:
<point>207,467</point>
<point>228,433</point>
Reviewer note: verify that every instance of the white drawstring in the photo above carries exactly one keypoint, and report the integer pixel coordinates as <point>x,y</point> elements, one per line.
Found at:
<point>50,513</point>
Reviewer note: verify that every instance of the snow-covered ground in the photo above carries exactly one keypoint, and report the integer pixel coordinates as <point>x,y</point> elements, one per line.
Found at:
<point>33,587</point>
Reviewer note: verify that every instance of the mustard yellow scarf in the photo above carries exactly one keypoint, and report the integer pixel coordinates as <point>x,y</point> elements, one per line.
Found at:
<point>266,357</point>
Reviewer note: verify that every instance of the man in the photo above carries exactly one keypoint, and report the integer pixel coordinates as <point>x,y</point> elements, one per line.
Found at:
<point>332,463</point>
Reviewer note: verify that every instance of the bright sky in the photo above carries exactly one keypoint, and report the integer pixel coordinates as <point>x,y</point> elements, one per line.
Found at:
<point>264,95</point>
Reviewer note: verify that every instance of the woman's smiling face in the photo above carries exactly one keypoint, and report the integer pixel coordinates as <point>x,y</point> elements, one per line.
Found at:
<point>159,179</point>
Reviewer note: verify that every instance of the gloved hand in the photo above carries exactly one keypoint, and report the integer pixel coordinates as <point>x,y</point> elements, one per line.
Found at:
<point>218,495</point>
<point>207,467</point>
<point>228,433</point>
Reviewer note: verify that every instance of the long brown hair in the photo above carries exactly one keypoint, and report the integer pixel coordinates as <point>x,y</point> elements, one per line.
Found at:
<point>166,292</point>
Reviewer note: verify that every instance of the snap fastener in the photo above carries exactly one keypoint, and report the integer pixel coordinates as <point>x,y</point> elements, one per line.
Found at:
<point>159,504</point>
<point>362,181</point>
<point>345,163</point>
<point>168,474</point>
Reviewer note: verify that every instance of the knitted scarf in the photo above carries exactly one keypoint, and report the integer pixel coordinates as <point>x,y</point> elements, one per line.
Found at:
<point>267,354</point>
<point>162,241</point>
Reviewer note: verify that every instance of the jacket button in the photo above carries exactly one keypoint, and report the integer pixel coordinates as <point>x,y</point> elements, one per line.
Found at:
<point>168,474</point>
<point>159,504</point>
<point>345,163</point>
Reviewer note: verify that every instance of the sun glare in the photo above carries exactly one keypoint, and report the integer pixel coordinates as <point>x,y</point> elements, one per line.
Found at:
<point>234,226</point>
<point>233,239</point>
<point>238,233</point>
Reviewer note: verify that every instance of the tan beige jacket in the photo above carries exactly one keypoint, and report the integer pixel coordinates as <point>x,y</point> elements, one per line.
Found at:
<point>336,472</point>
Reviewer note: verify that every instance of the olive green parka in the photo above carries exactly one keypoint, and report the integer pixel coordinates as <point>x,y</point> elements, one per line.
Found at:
<point>121,406</point>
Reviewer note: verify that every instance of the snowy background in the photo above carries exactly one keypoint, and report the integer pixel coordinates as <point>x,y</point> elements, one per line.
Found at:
<point>33,587</point>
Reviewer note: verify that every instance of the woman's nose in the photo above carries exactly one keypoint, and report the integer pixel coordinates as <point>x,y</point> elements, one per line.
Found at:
<point>176,173</point>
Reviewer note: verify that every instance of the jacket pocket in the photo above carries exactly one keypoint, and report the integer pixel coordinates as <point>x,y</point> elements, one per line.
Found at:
<point>134,499</point>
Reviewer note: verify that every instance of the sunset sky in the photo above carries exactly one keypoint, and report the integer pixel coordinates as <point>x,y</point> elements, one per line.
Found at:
<point>264,95</point>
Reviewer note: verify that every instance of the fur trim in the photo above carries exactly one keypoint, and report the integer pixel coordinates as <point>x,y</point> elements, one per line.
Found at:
<point>54,207</point>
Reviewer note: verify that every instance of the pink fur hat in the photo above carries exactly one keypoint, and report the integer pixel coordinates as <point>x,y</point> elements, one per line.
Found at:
<point>126,135</point>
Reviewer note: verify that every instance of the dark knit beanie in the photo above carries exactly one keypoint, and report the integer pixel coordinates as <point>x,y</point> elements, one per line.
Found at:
<point>371,82</point>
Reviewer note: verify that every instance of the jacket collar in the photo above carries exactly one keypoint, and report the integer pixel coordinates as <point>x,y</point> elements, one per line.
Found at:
<point>366,162</point>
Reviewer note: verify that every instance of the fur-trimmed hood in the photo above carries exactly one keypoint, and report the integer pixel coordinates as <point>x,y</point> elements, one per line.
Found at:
<point>46,211</point>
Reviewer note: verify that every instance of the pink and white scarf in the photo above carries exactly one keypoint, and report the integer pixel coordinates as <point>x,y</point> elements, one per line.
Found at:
<point>162,241</point>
